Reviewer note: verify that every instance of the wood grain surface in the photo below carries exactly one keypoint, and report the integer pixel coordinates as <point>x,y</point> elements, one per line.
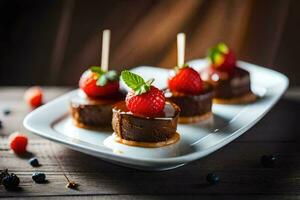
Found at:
<point>238,164</point>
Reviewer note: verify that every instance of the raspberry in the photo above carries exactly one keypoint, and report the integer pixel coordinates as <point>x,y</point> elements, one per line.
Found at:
<point>34,96</point>
<point>186,81</point>
<point>148,104</point>
<point>18,142</point>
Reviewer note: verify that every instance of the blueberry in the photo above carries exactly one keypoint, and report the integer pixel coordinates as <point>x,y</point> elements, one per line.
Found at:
<point>39,177</point>
<point>268,160</point>
<point>10,181</point>
<point>34,162</point>
<point>212,178</point>
<point>1,124</point>
<point>6,111</point>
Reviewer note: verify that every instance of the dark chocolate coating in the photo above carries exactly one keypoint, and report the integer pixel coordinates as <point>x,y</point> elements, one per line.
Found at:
<point>93,113</point>
<point>228,85</point>
<point>144,129</point>
<point>193,105</point>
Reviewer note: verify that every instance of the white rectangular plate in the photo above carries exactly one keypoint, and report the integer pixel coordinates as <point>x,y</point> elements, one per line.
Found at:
<point>53,122</point>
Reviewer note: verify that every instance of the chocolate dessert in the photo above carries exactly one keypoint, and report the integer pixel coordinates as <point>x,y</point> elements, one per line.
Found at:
<point>193,107</point>
<point>99,91</point>
<point>231,84</point>
<point>191,94</point>
<point>139,130</point>
<point>144,119</point>
<point>93,113</point>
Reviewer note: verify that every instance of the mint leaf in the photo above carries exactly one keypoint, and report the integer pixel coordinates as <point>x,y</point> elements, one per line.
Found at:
<point>111,75</point>
<point>102,80</point>
<point>104,76</point>
<point>135,82</point>
<point>222,47</point>
<point>97,70</point>
<point>132,80</point>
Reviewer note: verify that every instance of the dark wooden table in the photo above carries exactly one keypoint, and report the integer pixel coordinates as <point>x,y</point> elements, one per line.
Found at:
<point>238,164</point>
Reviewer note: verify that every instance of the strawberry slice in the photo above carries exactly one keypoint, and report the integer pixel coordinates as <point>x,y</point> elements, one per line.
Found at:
<point>186,81</point>
<point>98,83</point>
<point>144,99</point>
<point>222,58</point>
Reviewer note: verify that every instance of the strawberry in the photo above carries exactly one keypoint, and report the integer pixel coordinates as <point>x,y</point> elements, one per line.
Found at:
<point>18,142</point>
<point>98,83</point>
<point>186,81</point>
<point>144,99</point>
<point>222,58</point>
<point>34,96</point>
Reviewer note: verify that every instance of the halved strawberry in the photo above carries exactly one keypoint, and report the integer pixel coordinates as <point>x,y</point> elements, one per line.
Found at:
<point>186,80</point>
<point>144,99</point>
<point>222,58</point>
<point>98,83</point>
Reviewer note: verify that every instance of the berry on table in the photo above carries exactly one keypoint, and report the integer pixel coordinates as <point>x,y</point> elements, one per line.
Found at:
<point>34,96</point>
<point>6,111</point>
<point>212,178</point>
<point>186,80</point>
<point>18,142</point>
<point>39,177</point>
<point>144,99</point>
<point>268,160</point>
<point>34,162</point>
<point>10,181</point>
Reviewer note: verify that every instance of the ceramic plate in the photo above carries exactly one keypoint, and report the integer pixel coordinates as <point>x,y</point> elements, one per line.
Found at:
<point>52,121</point>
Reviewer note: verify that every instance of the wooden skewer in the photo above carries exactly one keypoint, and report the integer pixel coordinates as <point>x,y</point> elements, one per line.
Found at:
<point>105,49</point>
<point>180,49</point>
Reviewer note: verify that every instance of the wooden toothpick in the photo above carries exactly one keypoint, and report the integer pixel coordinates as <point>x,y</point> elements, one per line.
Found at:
<point>180,49</point>
<point>105,49</point>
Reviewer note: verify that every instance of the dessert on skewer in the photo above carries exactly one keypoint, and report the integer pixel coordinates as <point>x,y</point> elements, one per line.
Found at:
<point>187,90</point>
<point>99,91</point>
<point>145,118</point>
<point>231,83</point>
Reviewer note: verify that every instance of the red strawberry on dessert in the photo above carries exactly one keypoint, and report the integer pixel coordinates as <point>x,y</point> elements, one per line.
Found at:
<point>96,82</point>
<point>92,108</point>
<point>144,118</point>
<point>144,99</point>
<point>231,83</point>
<point>186,81</point>
<point>190,93</point>
<point>150,103</point>
<point>222,58</point>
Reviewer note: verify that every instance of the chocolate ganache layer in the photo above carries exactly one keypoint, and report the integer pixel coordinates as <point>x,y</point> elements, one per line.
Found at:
<point>192,105</point>
<point>93,113</point>
<point>228,85</point>
<point>131,127</point>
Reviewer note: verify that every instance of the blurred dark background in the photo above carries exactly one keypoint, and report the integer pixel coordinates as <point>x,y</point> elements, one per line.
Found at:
<point>51,42</point>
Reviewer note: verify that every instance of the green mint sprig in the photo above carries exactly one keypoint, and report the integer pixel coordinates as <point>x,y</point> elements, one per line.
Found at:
<point>215,52</point>
<point>104,76</point>
<point>136,82</point>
